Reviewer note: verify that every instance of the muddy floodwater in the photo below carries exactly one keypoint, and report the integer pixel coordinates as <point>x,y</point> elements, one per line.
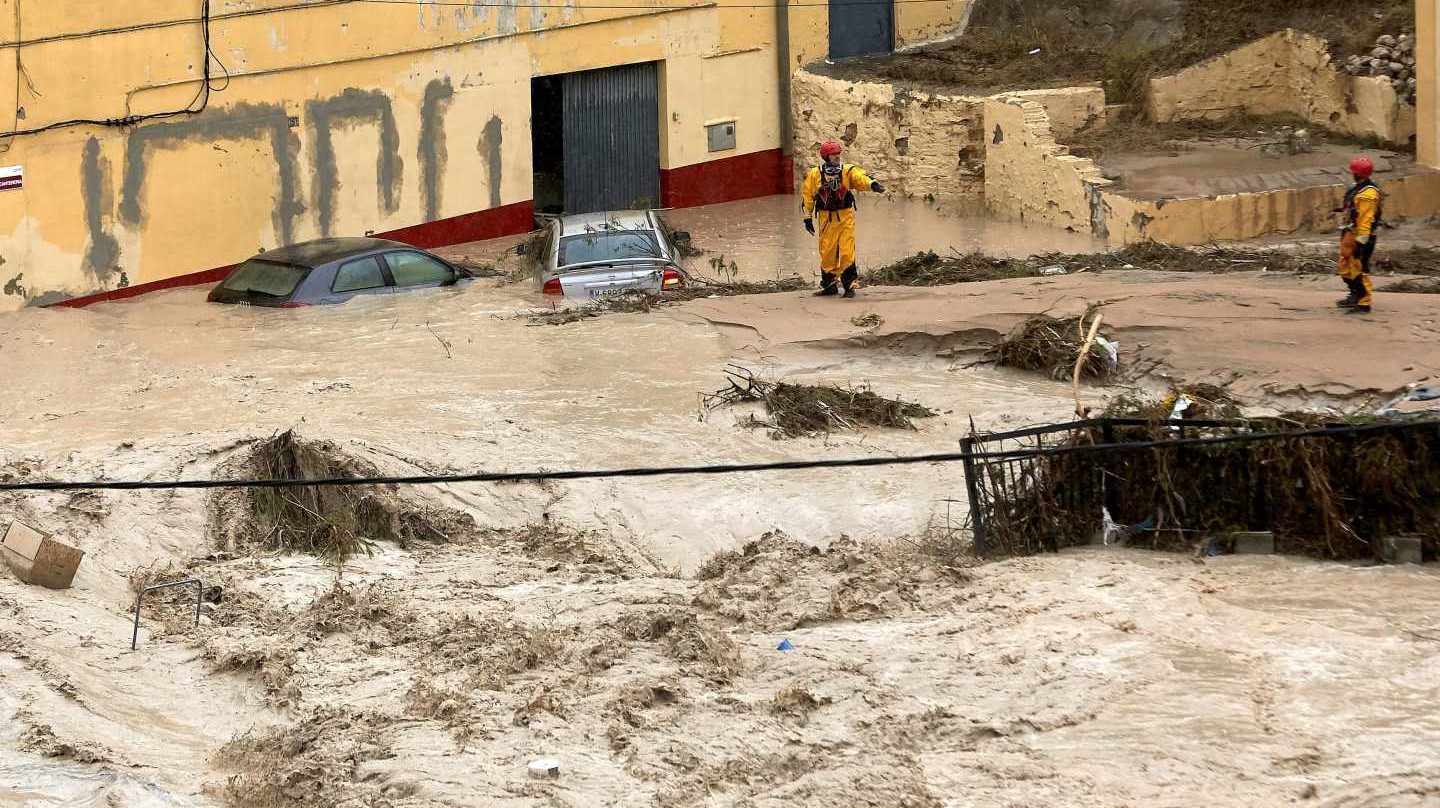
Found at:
<point>765,238</point>
<point>581,620</point>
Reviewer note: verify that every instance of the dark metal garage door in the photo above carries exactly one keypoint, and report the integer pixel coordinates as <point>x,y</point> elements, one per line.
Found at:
<point>858,27</point>
<point>612,139</point>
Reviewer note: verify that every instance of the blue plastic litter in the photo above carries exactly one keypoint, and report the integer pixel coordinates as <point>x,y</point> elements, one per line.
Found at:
<point>785,645</point>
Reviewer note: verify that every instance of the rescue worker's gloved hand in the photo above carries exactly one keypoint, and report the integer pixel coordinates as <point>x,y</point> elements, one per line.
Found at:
<point>877,187</point>
<point>1362,239</point>
<point>810,226</point>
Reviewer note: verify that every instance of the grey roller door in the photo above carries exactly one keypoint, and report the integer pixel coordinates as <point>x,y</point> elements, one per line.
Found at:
<point>612,139</point>
<point>858,27</point>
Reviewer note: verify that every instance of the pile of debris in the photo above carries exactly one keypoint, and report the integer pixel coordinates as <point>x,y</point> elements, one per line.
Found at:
<point>1335,495</point>
<point>334,522</point>
<point>800,410</point>
<point>1054,347</point>
<point>640,301</point>
<point>1392,58</point>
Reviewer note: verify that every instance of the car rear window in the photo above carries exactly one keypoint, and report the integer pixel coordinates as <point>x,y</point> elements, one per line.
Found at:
<point>609,245</point>
<point>266,278</point>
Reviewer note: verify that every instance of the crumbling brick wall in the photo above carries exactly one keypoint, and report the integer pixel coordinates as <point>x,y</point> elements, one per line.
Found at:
<point>920,145</point>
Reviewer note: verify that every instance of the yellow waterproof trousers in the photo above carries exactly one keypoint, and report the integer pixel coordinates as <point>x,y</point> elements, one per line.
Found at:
<point>1355,267</point>
<point>836,229</point>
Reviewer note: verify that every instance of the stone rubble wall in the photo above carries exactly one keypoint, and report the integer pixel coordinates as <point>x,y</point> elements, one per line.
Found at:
<point>918,144</point>
<point>1031,177</point>
<point>1287,72</point>
<point>921,145</point>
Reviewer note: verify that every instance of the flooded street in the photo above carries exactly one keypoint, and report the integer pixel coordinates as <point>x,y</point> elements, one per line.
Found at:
<point>765,238</point>
<point>593,622</point>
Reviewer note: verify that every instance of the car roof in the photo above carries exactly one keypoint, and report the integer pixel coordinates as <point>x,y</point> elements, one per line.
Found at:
<point>324,250</point>
<point>605,220</point>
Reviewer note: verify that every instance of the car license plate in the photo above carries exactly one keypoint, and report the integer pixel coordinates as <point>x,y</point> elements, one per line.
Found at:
<point>613,290</point>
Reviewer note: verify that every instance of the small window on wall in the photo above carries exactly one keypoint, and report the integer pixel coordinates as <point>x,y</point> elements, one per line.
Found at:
<point>359,275</point>
<point>414,269</point>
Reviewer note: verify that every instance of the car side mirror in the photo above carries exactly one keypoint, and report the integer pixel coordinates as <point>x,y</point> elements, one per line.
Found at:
<point>680,237</point>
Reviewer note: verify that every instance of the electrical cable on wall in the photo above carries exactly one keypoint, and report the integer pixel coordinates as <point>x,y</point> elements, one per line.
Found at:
<point>256,12</point>
<point>196,105</point>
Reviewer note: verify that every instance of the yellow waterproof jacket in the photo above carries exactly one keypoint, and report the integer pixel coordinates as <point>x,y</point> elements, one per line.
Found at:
<point>1364,209</point>
<point>852,177</point>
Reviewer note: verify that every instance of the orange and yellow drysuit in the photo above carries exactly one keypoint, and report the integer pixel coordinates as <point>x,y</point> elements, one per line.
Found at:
<point>829,196</point>
<point>1357,239</point>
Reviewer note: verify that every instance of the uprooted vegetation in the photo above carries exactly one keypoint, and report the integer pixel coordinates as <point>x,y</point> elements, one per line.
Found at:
<point>333,522</point>
<point>776,583</point>
<point>315,763</point>
<point>1053,346</point>
<point>932,269</point>
<point>1187,402</point>
<point>1334,495</point>
<point>799,410</point>
<point>1012,44</point>
<point>639,301</point>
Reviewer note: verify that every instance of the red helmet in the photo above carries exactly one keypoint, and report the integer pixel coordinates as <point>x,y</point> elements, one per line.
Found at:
<point>1362,167</point>
<point>828,148</point>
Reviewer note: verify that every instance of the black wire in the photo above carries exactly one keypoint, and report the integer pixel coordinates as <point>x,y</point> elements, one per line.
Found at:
<point>202,95</point>
<point>731,468</point>
<point>146,26</point>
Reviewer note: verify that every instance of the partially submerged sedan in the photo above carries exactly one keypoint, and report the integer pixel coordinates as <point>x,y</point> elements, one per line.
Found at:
<point>598,254</point>
<point>333,270</point>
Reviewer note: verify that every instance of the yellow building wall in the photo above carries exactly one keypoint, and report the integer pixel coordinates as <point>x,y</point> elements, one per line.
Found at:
<point>1427,70</point>
<point>914,23</point>
<point>338,119</point>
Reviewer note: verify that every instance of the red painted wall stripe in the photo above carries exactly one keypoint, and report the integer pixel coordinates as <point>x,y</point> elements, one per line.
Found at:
<point>502,221</point>
<point>734,178</point>
<point>728,180</point>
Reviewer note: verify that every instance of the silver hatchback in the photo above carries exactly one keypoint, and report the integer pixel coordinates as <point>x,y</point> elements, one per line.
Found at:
<point>598,254</point>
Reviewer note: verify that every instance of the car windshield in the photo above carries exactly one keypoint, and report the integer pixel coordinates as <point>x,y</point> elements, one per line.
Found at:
<point>265,277</point>
<point>607,245</point>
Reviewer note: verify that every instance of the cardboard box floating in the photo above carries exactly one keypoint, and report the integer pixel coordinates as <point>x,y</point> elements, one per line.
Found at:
<point>40,559</point>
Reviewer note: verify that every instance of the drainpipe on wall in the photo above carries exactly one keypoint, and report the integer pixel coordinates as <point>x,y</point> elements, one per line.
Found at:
<point>782,60</point>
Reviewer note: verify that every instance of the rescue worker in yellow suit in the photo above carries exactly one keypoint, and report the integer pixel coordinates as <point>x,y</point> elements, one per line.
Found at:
<point>1357,236</point>
<point>829,193</point>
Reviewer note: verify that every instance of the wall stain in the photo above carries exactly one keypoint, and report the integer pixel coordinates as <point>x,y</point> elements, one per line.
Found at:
<point>432,151</point>
<point>46,299</point>
<point>103,254</point>
<point>505,17</point>
<point>350,106</point>
<point>239,122</point>
<point>491,138</point>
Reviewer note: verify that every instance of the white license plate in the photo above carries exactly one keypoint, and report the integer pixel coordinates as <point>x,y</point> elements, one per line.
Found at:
<point>614,290</point>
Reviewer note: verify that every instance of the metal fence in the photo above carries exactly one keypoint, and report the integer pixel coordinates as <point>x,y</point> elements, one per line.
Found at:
<point>1332,492</point>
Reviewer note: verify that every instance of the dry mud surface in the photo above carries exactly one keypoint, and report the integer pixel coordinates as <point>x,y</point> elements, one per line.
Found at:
<point>629,629</point>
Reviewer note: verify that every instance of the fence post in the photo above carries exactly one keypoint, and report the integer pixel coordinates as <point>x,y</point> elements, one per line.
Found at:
<point>1112,504</point>
<point>972,491</point>
<point>140,599</point>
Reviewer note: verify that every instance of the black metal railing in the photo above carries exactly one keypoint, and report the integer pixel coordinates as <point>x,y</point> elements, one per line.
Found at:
<point>1331,492</point>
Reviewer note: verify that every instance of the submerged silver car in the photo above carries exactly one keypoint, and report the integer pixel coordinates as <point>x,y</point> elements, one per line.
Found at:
<point>598,254</point>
